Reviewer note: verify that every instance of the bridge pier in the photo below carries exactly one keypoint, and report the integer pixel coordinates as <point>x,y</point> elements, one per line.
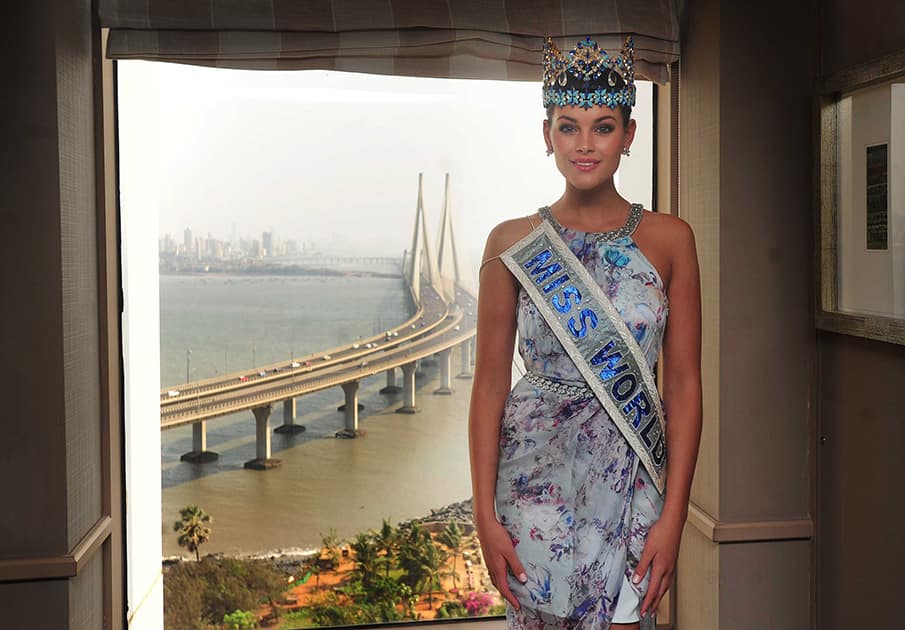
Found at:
<point>445,359</point>
<point>350,389</point>
<point>465,349</point>
<point>289,427</point>
<point>199,453</point>
<point>391,387</point>
<point>408,389</point>
<point>263,461</point>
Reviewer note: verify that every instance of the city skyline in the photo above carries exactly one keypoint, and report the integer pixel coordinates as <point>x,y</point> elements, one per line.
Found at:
<point>334,157</point>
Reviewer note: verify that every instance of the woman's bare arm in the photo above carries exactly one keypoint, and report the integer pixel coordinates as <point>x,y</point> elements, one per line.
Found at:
<point>495,342</point>
<point>682,398</point>
<point>682,372</point>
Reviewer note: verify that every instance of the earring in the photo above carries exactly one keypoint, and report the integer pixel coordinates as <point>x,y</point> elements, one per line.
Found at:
<point>549,151</point>
<point>625,151</point>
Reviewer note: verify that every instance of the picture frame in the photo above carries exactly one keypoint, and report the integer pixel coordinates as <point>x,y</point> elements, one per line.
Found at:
<point>860,199</point>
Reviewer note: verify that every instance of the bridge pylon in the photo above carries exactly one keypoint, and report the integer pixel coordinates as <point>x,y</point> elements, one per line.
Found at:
<point>421,260</point>
<point>447,256</point>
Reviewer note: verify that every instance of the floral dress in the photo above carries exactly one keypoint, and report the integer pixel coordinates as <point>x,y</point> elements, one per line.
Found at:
<point>570,490</point>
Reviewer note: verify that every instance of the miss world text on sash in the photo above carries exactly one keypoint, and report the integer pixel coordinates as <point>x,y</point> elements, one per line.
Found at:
<point>593,334</point>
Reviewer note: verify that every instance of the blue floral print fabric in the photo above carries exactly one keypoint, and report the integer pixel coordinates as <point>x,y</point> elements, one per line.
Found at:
<point>569,491</point>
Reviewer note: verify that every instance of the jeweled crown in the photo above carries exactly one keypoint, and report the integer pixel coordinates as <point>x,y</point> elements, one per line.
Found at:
<point>588,76</point>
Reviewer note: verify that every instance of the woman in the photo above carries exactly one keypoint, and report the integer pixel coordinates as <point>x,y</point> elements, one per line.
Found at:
<point>573,525</point>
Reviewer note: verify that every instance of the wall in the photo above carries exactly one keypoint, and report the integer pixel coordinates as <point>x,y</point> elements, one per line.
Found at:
<point>745,160</point>
<point>859,405</point>
<point>51,468</point>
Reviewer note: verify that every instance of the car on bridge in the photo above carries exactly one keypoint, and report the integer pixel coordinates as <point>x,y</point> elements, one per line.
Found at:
<point>295,364</point>
<point>172,393</point>
<point>243,378</point>
<point>262,373</point>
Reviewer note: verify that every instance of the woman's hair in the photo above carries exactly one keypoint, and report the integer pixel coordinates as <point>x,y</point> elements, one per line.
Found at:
<point>625,109</point>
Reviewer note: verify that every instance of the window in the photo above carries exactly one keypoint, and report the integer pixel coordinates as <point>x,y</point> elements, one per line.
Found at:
<point>270,221</point>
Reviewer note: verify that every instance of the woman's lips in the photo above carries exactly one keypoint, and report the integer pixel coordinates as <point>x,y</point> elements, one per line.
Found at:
<point>583,165</point>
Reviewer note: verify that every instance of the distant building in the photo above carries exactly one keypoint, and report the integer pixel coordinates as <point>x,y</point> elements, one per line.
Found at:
<point>267,243</point>
<point>187,242</point>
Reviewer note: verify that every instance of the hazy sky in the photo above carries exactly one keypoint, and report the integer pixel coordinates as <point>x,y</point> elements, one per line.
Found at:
<point>334,157</point>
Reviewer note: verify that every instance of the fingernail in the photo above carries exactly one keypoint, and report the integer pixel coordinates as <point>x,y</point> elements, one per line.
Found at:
<point>522,578</point>
<point>636,578</point>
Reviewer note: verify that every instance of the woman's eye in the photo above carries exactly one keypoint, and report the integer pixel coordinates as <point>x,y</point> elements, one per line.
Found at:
<point>605,128</point>
<point>566,128</point>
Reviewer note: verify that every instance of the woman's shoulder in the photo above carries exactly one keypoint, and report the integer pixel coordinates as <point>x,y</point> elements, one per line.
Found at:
<point>510,231</point>
<point>667,229</point>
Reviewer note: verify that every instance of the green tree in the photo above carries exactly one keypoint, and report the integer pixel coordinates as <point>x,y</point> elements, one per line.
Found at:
<point>451,536</point>
<point>193,528</point>
<point>240,620</point>
<point>420,559</point>
<point>386,540</point>
<point>412,540</point>
<point>366,555</point>
<point>432,559</point>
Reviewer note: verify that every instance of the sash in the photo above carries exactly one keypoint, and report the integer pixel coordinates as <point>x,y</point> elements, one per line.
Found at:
<point>596,339</point>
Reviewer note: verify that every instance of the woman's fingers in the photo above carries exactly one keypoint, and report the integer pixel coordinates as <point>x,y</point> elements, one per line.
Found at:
<point>653,587</point>
<point>659,584</point>
<point>664,586</point>
<point>498,575</point>
<point>515,565</point>
<point>499,553</point>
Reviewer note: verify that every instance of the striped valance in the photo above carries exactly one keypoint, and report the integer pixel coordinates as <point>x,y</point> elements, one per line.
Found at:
<point>468,39</point>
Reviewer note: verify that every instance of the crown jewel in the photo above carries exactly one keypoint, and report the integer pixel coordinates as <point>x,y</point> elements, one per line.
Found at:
<point>588,76</point>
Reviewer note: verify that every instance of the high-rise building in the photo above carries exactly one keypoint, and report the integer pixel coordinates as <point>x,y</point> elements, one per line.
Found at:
<point>188,242</point>
<point>267,243</point>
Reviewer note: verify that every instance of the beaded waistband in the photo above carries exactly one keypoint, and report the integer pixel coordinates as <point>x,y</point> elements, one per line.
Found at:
<point>571,391</point>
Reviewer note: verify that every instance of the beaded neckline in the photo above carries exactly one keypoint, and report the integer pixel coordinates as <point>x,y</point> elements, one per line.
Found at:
<point>634,218</point>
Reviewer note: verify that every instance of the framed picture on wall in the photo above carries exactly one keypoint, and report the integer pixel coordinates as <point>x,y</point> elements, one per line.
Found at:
<point>861,197</point>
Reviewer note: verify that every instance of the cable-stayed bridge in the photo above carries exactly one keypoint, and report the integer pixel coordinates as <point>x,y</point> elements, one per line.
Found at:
<point>444,317</point>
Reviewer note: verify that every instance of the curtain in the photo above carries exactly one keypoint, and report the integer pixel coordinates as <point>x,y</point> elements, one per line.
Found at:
<point>463,39</point>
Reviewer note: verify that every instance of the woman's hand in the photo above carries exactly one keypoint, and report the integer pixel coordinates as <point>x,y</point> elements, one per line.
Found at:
<point>499,554</point>
<point>661,549</point>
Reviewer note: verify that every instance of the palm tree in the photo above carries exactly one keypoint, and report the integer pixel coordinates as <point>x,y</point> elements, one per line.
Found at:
<point>411,541</point>
<point>386,540</point>
<point>365,557</point>
<point>452,538</point>
<point>432,559</point>
<point>192,528</point>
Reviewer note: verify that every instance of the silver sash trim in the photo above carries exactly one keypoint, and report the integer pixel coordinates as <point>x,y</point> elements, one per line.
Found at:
<point>596,339</point>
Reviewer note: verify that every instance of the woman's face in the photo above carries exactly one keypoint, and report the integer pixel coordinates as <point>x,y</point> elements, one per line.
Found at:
<point>587,143</point>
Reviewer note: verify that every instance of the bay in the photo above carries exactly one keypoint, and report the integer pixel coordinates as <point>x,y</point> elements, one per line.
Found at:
<point>403,466</point>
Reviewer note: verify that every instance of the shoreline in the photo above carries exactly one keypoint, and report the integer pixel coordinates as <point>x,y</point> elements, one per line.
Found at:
<point>458,511</point>
<point>312,589</point>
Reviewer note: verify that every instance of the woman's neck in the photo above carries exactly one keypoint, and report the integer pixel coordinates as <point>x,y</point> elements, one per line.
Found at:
<point>597,210</point>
